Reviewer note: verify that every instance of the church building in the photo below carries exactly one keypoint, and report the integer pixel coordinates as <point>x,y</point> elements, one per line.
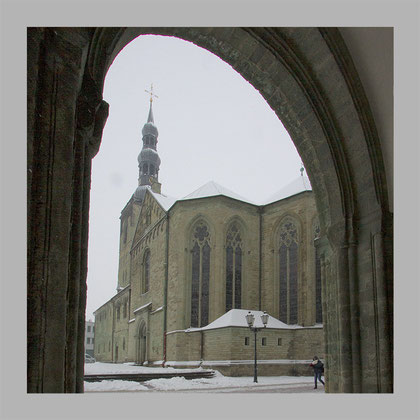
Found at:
<point>191,269</point>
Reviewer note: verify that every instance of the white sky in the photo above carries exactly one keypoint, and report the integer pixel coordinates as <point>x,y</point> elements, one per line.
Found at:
<point>213,125</point>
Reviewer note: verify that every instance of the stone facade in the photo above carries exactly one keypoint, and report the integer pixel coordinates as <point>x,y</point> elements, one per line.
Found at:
<point>89,337</point>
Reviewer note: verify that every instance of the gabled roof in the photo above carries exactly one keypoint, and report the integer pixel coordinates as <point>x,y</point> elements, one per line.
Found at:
<point>297,186</point>
<point>212,189</point>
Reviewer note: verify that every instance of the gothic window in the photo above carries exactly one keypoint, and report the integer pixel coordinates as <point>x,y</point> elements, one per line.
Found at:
<point>318,288</point>
<point>288,272</point>
<point>146,272</point>
<point>200,275</point>
<point>233,268</point>
<point>125,231</point>
<point>148,216</point>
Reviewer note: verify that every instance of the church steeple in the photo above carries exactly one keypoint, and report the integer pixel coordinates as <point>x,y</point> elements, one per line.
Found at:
<point>148,159</point>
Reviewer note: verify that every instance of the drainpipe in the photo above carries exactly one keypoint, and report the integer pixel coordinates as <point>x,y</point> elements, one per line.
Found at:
<point>165,290</point>
<point>112,335</point>
<point>260,211</point>
<point>202,347</point>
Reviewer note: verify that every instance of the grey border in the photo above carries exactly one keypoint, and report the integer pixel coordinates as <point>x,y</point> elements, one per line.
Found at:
<point>403,15</point>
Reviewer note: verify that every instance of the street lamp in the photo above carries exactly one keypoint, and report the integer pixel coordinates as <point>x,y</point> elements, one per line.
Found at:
<point>250,321</point>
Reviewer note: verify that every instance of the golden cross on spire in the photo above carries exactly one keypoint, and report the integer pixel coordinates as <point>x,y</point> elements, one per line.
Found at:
<point>151,93</point>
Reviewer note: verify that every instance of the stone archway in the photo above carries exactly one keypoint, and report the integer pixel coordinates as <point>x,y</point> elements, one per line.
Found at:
<point>307,77</point>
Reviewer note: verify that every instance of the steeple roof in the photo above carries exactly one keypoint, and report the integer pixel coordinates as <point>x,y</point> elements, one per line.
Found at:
<point>150,117</point>
<point>148,158</point>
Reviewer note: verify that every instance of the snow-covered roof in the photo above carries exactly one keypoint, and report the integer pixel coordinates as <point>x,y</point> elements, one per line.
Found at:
<point>165,201</point>
<point>297,186</point>
<point>212,189</point>
<point>236,318</point>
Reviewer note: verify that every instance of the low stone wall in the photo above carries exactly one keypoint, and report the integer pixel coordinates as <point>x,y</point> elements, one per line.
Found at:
<point>230,350</point>
<point>246,367</point>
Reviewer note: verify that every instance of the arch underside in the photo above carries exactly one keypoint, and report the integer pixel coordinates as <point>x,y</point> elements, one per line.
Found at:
<point>307,77</point>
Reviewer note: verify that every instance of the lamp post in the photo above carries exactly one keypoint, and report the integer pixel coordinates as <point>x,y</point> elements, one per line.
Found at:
<point>250,320</point>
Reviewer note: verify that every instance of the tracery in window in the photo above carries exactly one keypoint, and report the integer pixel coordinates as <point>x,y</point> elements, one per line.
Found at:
<point>233,268</point>
<point>200,275</point>
<point>288,272</point>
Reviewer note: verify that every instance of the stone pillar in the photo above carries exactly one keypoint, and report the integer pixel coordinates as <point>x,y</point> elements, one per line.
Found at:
<point>62,138</point>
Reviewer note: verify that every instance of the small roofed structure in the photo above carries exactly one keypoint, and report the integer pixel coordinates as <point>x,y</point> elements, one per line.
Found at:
<point>227,344</point>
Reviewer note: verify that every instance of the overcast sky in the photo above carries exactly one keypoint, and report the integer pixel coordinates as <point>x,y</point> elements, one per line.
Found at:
<point>213,125</point>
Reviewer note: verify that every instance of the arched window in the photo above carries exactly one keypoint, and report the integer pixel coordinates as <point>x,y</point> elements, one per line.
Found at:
<point>146,272</point>
<point>288,272</point>
<point>145,168</point>
<point>152,169</point>
<point>318,287</point>
<point>233,268</point>
<point>200,275</point>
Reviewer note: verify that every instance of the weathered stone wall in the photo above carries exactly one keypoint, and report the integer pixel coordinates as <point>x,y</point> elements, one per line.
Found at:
<point>182,346</point>
<point>150,236</point>
<point>302,209</point>
<point>293,344</point>
<point>103,332</point>
<point>155,345</point>
<point>128,225</point>
<point>111,328</point>
<point>264,368</point>
<point>218,213</point>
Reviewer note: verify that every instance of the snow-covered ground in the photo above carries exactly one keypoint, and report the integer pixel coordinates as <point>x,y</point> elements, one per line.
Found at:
<point>219,382</point>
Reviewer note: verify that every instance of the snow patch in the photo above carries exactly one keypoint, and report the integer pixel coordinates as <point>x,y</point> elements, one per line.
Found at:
<point>142,307</point>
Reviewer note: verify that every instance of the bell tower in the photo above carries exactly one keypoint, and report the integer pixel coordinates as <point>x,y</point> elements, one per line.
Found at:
<point>148,159</point>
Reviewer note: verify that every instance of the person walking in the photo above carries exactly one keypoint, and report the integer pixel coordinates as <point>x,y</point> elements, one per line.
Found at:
<point>318,367</point>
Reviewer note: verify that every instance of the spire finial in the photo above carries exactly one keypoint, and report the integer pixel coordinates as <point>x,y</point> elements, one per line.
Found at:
<point>151,93</point>
<point>301,169</point>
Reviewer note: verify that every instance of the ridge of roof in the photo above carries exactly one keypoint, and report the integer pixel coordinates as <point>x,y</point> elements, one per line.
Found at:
<point>212,189</point>
<point>294,187</point>
<point>237,318</point>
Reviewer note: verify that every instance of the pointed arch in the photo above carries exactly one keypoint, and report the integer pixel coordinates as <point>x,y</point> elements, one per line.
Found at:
<point>145,272</point>
<point>234,264</point>
<point>200,273</point>
<point>142,343</point>
<point>288,240</point>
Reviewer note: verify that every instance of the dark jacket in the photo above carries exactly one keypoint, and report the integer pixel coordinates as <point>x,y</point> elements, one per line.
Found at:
<point>318,366</point>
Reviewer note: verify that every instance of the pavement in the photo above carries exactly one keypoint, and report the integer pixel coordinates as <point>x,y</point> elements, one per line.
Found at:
<point>274,389</point>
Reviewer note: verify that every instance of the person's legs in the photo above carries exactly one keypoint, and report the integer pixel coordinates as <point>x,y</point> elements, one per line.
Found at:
<point>315,378</point>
